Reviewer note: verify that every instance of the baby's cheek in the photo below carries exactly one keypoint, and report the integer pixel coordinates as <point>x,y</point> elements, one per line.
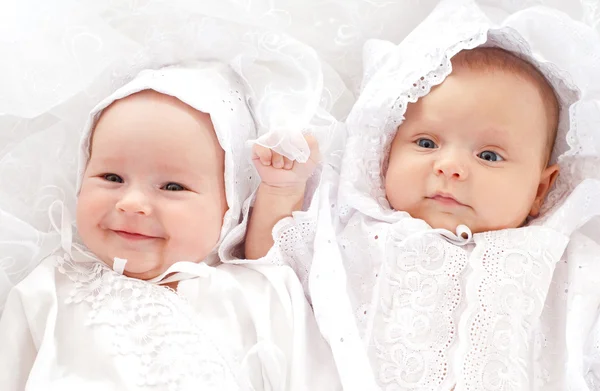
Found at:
<point>396,190</point>
<point>197,230</point>
<point>508,206</point>
<point>211,226</point>
<point>86,216</point>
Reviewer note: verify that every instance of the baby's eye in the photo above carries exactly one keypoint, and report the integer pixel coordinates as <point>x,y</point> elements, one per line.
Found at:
<point>173,187</point>
<point>113,178</point>
<point>426,143</point>
<point>490,156</point>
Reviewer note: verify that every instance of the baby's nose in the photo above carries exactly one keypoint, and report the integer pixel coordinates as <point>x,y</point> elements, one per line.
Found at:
<point>451,166</point>
<point>134,201</point>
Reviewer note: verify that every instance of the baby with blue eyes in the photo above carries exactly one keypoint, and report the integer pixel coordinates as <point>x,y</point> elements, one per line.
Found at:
<point>475,151</point>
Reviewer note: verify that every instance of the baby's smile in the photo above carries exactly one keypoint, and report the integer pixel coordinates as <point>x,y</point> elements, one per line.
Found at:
<point>134,235</point>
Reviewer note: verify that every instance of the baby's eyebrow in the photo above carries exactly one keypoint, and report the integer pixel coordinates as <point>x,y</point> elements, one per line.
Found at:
<point>110,160</point>
<point>175,168</point>
<point>187,171</point>
<point>427,118</point>
<point>182,170</point>
<point>495,133</point>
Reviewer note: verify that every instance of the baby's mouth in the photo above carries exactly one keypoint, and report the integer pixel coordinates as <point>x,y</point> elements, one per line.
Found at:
<point>446,199</point>
<point>134,235</point>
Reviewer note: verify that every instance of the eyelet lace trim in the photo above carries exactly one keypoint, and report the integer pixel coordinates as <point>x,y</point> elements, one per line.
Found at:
<point>497,291</point>
<point>414,328</point>
<point>511,274</point>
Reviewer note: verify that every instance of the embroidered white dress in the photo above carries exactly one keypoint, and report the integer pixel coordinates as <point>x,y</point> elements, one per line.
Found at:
<point>406,307</point>
<point>80,325</point>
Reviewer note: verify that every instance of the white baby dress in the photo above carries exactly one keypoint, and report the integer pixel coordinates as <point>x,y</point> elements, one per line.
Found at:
<point>405,307</point>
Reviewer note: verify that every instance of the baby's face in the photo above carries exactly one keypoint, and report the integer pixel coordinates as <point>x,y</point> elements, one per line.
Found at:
<point>153,191</point>
<point>473,152</point>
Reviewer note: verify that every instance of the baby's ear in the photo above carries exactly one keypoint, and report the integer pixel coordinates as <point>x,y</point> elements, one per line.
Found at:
<point>547,179</point>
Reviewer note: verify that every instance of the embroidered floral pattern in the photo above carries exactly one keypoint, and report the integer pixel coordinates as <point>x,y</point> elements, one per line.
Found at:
<point>450,315</point>
<point>150,324</point>
<point>415,326</point>
<point>512,272</point>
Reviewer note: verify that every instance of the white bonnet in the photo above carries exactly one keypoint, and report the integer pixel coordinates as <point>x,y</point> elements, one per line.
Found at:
<point>565,51</point>
<point>212,88</point>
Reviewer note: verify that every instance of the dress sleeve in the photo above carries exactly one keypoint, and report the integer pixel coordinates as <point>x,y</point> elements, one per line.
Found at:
<point>583,313</point>
<point>297,356</point>
<point>294,237</point>
<point>17,347</point>
<point>591,359</point>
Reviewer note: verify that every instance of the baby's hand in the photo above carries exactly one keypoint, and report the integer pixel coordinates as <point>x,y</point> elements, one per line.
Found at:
<point>280,193</point>
<point>279,172</point>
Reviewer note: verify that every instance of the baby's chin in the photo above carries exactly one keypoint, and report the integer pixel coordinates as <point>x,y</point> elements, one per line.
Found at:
<point>140,266</point>
<point>446,222</point>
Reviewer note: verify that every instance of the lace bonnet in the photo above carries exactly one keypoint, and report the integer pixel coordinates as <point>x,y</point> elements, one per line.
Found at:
<point>211,88</point>
<point>394,76</point>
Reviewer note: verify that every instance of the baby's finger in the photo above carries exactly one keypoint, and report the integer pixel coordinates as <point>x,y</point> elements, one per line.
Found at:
<point>287,163</point>
<point>276,160</point>
<point>313,145</point>
<point>263,154</point>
